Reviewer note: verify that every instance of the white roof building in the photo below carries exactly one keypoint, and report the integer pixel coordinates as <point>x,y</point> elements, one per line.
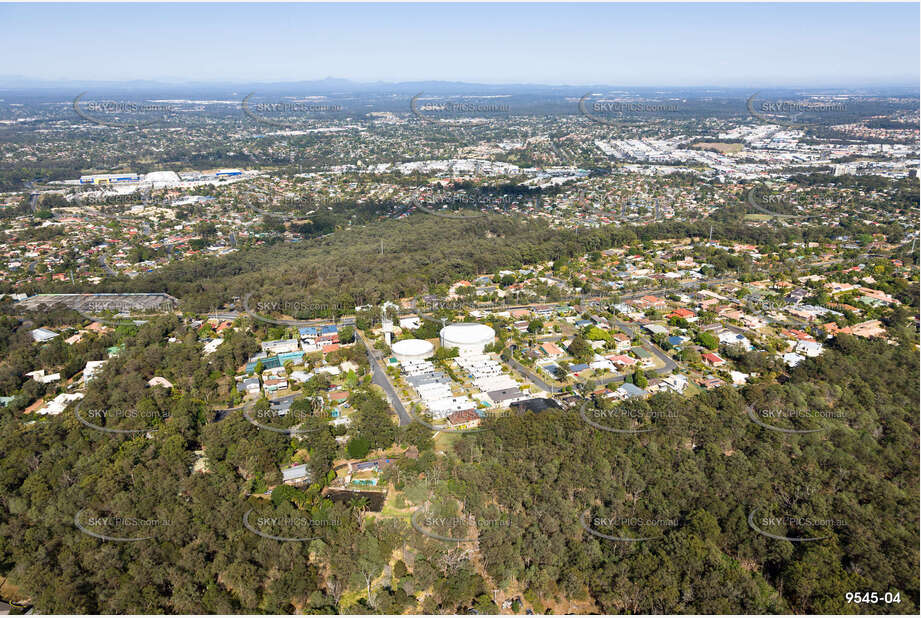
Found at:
<point>738,378</point>
<point>91,369</point>
<point>676,382</point>
<point>211,346</point>
<point>809,348</point>
<point>603,364</point>
<point>411,322</point>
<point>281,346</point>
<point>59,403</point>
<point>730,338</point>
<point>41,335</point>
<point>39,376</point>
<point>158,381</point>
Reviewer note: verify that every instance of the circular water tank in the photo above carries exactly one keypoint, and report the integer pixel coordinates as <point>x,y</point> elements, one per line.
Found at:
<point>412,349</point>
<point>467,337</point>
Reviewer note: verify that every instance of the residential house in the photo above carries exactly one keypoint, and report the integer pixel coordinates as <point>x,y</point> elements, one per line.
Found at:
<point>505,396</point>
<point>809,348</point>
<point>211,346</point>
<point>676,382</point>
<point>683,313</point>
<point>551,350</point>
<point>629,391</point>
<point>577,368</point>
<point>274,383</point>
<point>40,377</point>
<point>41,335</point>
<point>710,382</point>
<point>729,337</point>
<point>621,342</point>
<point>91,369</point>
<point>622,361</point>
<point>296,475</point>
<point>59,403</point>
<point>602,364</point>
<point>280,346</point>
<point>466,418</point>
<point>250,386</point>
<point>738,378</point>
<point>868,329</point>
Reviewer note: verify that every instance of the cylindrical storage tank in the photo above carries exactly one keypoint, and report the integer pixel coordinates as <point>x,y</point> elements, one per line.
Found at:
<point>468,337</point>
<point>412,349</point>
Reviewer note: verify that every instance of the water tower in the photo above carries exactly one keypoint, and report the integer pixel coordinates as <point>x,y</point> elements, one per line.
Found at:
<point>386,325</point>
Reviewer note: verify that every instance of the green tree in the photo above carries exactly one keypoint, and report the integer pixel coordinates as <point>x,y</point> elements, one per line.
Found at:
<point>707,340</point>
<point>358,447</point>
<point>639,378</point>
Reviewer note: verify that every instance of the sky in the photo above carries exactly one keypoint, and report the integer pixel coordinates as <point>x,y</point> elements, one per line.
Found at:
<point>730,45</point>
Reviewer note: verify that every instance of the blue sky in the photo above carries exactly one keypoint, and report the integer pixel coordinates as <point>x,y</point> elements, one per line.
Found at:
<point>619,44</point>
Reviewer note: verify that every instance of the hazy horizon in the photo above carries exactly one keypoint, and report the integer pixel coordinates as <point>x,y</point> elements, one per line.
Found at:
<point>9,82</point>
<point>626,45</point>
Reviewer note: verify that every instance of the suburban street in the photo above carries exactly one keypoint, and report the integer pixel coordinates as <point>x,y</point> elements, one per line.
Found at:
<point>379,377</point>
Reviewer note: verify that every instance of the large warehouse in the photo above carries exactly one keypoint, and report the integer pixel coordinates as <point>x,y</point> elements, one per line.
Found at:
<point>412,349</point>
<point>468,337</point>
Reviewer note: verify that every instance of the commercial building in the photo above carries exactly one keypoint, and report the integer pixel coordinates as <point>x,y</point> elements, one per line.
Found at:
<point>105,179</point>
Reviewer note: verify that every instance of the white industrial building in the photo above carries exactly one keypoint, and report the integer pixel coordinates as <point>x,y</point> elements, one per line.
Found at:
<point>470,338</point>
<point>162,179</point>
<point>412,350</point>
